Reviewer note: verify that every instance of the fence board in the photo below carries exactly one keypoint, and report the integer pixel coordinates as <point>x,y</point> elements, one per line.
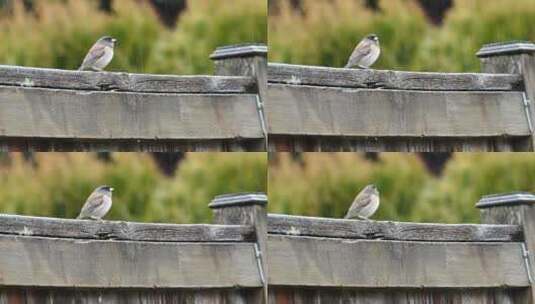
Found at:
<point>118,230</point>
<point>354,229</point>
<point>46,262</point>
<point>145,296</point>
<point>370,78</point>
<point>307,110</point>
<point>384,296</point>
<point>398,144</point>
<point>112,115</point>
<point>317,262</point>
<point>107,81</point>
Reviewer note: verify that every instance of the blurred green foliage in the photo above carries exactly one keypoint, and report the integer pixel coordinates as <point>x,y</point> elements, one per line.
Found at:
<point>60,182</point>
<point>58,33</point>
<point>326,31</point>
<point>324,184</point>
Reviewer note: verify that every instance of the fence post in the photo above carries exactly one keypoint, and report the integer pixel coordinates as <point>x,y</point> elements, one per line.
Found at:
<point>515,57</point>
<point>514,209</point>
<point>247,209</point>
<point>246,60</point>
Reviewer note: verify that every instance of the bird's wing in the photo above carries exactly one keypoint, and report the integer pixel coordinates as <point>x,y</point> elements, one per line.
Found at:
<point>94,201</point>
<point>96,52</point>
<point>362,200</point>
<point>361,50</point>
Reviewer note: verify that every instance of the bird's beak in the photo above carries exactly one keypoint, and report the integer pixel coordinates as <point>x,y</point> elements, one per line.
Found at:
<point>111,189</point>
<point>114,40</point>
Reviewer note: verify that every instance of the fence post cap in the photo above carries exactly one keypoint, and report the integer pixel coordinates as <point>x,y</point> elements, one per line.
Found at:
<point>239,50</point>
<point>502,48</point>
<point>506,199</point>
<point>238,199</point>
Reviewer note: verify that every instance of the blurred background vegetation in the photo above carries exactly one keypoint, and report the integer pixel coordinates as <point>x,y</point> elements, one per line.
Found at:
<point>423,35</point>
<point>173,188</point>
<point>426,187</point>
<point>155,36</point>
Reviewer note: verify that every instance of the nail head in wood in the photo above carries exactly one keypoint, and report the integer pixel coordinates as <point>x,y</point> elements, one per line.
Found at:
<point>502,48</point>
<point>239,50</point>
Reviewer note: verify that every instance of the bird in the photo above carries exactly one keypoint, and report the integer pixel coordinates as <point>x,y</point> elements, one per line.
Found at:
<point>100,55</point>
<point>365,204</point>
<point>97,204</point>
<point>365,53</point>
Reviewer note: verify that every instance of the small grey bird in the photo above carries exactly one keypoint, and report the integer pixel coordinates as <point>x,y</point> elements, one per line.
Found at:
<point>97,204</point>
<point>100,55</point>
<point>366,53</point>
<point>365,204</point>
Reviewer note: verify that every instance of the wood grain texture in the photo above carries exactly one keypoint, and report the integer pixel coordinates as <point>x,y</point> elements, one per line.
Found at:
<point>111,115</point>
<point>108,81</point>
<point>317,111</point>
<point>355,229</point>
<point>398,296</point>
<point>291,143</point>
<point>129,296</point>
<point>369,78</point>
<point>46,262</point>
<point>48,144</point>
<point>118,230</point>
<point>322,262</point>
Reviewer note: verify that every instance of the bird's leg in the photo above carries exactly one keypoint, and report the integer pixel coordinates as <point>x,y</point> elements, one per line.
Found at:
<point>95,218</point>
<point>363,218</point>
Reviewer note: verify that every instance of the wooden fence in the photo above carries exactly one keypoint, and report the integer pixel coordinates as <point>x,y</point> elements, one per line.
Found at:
<point>331,109</point>
<point>249,256</point>
<point>49,110</point>
<point>46,260</point>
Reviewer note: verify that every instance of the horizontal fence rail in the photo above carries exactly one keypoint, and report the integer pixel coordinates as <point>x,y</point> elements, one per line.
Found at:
<point>324,262</point>
<point>351,229</point>
<point>45,262</point>
<point>303,110</point>
<point>50,252</point>
<point>123,82</point>
<point>397,80</point>
<point>50,109</point>
<point>313,108</point>
<point>118,230</point>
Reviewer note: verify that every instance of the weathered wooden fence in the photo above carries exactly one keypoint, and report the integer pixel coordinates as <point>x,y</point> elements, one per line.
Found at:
<point>248,254</point>
<point>331,109</point>
<point>320,260</point>
<point>46,260</point>
<point>48,109</point>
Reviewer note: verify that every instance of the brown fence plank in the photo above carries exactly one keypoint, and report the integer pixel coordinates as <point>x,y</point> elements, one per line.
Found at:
<point>355,229</point>
<point>106,81</point>
<point>316,111</point>
<point>403,296</point>
<point>124,296</point>
<point>301,143</point>
<point>322,262</point>
<point>118,230</point>
<point>46,262</point>
<point>369,78</point>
